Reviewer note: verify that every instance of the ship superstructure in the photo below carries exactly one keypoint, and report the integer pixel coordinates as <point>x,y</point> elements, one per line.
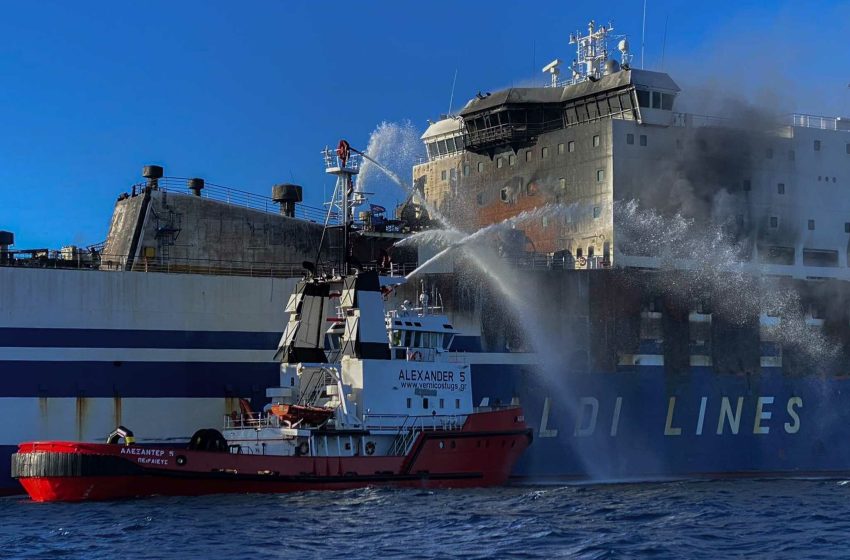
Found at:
<point>612,133</point>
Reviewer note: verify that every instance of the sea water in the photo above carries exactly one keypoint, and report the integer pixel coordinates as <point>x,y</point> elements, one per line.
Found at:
<point>724,519</point>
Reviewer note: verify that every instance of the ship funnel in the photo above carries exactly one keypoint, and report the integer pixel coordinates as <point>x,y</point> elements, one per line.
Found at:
<point>196,186</point>
<point>153,173</point>
<point>287,195</point>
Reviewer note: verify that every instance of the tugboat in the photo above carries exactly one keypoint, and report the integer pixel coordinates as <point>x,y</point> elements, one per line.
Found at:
<point>392,411</point>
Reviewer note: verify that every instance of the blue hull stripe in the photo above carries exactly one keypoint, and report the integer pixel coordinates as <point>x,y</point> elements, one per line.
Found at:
<point>137,379</point>
<point>137,338</point>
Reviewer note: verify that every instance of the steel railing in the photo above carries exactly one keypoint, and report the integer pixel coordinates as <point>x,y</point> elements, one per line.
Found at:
<point>236,197</point>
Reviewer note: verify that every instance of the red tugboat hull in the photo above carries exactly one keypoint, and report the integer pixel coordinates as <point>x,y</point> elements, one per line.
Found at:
<point>482,453</point>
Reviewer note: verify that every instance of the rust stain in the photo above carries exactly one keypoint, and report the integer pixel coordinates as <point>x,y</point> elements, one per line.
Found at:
<point>82,411</point>
<point>117,410</point>
<point>231,404</point>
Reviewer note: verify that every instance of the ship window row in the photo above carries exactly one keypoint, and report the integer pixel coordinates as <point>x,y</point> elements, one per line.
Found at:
<point>445,147</point>
<point>822,178</point>
<point>426,402</point>
<point>569,147</point>
<point>654,99</point>
<point>452,173</point>
<point>420,339</point>
<point>630,139</point>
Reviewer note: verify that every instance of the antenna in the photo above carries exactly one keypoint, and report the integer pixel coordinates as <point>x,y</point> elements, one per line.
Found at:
<point>552,68</point>
<point>643,36</point>
<point>452,96</point>
<point>664,43</point>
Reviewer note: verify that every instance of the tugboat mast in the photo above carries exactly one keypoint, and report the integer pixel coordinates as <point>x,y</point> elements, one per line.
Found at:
<point>346,166</point>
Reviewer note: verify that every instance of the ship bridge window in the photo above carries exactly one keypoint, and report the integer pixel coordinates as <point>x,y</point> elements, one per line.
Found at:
<point>817,257</point>
<point>667,101</point>
<point>443,175</point>
<point>847,147</point>
<point>466,170</point>
<point>817,145</point>
<point>571,146</point>
<point>656,99</point>
<point>642,97</point>
<point>511,160</point>
<point>776,255</point>
<point>561,148</point>
<point>596,141</point>
<point>630,138</point>
<point>432,150</point>
<point>480,166</point>
<point>447,341</point>
<point>459,145</point>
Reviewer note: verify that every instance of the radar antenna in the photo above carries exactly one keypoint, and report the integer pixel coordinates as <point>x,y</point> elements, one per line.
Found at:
<point>591,52</point>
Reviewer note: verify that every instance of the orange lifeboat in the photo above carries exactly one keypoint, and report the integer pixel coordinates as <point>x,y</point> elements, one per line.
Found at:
<point>308,414</point>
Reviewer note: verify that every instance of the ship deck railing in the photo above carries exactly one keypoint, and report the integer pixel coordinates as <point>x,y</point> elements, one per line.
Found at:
<point>87,260</point>
<point>236,197</point>
<point>252,420</point>
<point>427,422</point>
<point>820,121</point>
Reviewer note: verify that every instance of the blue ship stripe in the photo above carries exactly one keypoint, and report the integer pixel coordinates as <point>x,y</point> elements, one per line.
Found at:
<point>136,379</point>
<point>137,338</point>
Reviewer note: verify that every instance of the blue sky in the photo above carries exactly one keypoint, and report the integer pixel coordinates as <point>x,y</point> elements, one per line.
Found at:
<point>246,94</point>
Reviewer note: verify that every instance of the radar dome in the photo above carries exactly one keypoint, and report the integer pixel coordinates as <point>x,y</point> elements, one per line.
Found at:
<point>623,46</point>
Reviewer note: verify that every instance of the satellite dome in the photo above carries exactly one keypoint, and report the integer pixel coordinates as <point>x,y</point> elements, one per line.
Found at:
<point>623,46</point>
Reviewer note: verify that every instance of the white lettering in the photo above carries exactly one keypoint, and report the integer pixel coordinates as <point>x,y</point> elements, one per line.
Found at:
<point>582,430</point>
<point>762,414</point>
<point>795,427</point>
<point>545,432</point>
<point>669,430</point>
<point>615,422</point>
<point>726,413</point>
<point>702,402</point>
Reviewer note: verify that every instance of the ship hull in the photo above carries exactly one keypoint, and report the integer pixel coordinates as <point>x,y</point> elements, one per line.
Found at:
<point>481,454</point>
<point>649,425</point>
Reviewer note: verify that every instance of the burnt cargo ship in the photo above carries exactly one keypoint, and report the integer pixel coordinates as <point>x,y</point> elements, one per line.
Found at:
<point>687,296</point>
<point>632,359</point>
